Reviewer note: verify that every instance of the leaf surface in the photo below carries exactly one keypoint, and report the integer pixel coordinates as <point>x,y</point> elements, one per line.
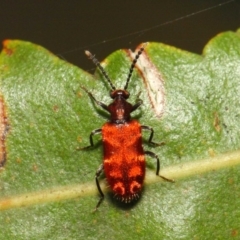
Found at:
<point>47,187</point>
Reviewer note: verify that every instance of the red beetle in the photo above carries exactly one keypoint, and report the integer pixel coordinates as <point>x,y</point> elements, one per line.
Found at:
<point>124,160</point>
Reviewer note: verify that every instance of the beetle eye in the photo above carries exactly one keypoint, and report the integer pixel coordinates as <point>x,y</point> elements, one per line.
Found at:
<point>112,94</point>
<point>126,94</point>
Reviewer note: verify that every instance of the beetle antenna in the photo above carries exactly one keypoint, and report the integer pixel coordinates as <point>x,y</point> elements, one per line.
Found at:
<point>133,64</point>
<point>97,63</point>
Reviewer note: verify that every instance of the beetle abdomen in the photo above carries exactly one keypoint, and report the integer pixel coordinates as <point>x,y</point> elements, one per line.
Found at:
<point>124,162</point>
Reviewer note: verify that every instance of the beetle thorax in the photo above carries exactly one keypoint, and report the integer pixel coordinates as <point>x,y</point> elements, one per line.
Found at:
<point>120,109</point>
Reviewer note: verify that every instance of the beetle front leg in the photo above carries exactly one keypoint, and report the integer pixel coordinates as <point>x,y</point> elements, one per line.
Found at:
<point>101,104</point>
<point>153,155</point>
<point>138,102</point>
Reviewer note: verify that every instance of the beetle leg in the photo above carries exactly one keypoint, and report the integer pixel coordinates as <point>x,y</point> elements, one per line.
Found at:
<point>101,104</point>
<point>153,155</point>
<point>151,135</point>
<point>94,132</point>
<point>137,104</point>
<point>98,173</point>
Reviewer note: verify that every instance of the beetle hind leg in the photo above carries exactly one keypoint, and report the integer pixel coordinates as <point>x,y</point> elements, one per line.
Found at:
<point>153,155</point>
<point>98,173</point>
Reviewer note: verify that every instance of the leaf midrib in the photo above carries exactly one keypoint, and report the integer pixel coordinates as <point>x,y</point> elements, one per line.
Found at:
<point>178,171</point>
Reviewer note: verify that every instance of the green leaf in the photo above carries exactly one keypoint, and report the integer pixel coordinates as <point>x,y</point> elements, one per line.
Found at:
<point>47,186</point>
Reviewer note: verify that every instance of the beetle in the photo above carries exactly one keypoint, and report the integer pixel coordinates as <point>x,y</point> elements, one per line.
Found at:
<point>124,160</point>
